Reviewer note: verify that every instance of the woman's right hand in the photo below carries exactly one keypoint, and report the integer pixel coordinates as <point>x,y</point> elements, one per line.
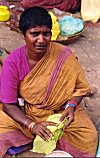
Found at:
<point>40,128</point>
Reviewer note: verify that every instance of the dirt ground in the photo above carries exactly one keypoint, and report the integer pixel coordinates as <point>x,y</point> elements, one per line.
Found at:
<point>86,48</point>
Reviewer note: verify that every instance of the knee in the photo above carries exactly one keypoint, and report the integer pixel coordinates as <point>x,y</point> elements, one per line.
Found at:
<point>94,135</point>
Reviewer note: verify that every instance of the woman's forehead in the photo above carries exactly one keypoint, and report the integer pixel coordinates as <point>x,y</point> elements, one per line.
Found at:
<point>40,28</point>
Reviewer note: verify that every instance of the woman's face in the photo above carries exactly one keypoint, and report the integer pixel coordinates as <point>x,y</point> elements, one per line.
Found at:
<point>38,39</point>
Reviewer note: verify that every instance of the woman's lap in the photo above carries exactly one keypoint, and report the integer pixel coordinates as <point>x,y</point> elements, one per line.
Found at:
<point>81,134</point>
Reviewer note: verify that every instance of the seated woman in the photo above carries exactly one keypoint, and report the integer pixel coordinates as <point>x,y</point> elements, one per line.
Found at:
<point>49,79</point>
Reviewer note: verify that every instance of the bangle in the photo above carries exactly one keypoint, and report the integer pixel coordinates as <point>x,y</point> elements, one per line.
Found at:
<point>73,103</point>
<point>30,127</point>
<point>66,106</point>
<point>26,122</point>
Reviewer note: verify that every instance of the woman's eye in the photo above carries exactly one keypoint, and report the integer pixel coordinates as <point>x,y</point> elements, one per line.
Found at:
<point>34,34</point>
<point>47,33</point>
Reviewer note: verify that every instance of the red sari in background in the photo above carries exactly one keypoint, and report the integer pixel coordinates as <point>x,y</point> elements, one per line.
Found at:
<point>64,5</point>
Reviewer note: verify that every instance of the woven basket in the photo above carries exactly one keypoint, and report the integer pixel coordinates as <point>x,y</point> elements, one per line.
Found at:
<point>68,39</point>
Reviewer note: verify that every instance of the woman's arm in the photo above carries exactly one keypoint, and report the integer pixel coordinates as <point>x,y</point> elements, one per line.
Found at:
<point>77,99</point>
<point>39,128</point>
<point>69,111</point>
<point>16,114</point>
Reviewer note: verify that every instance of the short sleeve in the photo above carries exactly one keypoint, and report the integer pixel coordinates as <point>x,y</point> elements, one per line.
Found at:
<point>9,82</point>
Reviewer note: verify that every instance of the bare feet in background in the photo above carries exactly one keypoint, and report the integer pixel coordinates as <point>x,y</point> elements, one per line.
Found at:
<point>91,92</point>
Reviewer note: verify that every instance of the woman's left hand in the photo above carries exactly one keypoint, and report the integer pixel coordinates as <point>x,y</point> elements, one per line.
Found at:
<point>69,113</point>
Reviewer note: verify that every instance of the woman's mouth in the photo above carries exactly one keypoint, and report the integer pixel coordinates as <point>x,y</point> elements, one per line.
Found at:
<point>39,46</point>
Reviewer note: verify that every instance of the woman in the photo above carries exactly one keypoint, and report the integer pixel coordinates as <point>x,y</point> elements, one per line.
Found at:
<point>48,79</point>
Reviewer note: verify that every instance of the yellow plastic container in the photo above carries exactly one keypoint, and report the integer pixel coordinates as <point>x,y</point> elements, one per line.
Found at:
<point>4,13</point>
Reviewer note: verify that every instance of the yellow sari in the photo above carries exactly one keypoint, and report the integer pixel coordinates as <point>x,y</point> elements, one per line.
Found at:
<point>50,84</point>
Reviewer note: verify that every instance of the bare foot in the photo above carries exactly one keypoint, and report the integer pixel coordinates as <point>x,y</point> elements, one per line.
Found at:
<point>91,92</point>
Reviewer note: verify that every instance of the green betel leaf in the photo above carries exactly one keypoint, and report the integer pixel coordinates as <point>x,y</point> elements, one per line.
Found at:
<point>47,147</point>
<point>58,134</point>
<point>42,146</point>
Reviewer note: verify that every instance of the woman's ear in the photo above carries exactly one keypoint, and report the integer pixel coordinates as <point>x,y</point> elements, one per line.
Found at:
<point>23,37</point>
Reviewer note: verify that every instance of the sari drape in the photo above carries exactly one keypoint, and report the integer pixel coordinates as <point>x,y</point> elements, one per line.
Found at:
<point>55,79</point>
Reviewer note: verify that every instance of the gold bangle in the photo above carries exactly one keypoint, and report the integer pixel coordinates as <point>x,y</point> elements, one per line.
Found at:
<point>30,127</point>
<point>26,122</point>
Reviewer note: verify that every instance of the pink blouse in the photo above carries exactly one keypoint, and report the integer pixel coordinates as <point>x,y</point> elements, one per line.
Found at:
<point>14,69</point>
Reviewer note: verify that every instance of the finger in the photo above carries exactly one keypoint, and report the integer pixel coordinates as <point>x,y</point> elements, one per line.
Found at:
<point>70,120</point>
<point>47,132</point>
<point>51,123</point>
<point>47,135</point>
<point>42,136</point>
<point>63,117</point>
<point>67,124</point>
<point>40,133</point>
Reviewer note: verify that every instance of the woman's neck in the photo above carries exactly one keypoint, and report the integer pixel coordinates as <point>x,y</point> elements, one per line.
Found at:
<point>33,56</point>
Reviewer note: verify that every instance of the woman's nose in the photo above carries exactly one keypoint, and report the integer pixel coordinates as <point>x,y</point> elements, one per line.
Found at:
<point>40,38</point>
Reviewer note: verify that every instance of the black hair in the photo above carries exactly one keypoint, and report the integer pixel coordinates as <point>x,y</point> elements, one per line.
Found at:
<point>34,16</point>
